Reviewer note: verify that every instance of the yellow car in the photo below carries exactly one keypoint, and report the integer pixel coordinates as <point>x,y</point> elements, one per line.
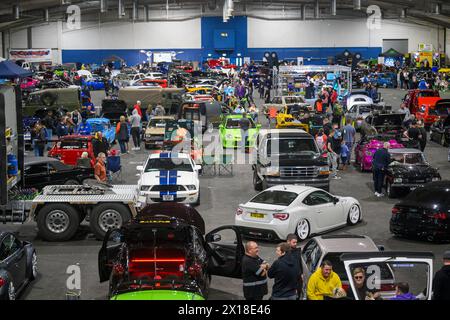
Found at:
<point>199,90</point>
<point>287,120</point>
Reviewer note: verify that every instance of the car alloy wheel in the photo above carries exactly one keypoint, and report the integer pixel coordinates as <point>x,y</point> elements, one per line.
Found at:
<point>110,219</point>
<point>57,221</point>
<point>34,265</point>
<point>303,229</point>
<point>354,214</point>
<point>11,291</point>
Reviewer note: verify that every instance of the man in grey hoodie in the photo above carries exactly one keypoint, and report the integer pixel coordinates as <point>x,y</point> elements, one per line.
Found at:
<point>135,121</point>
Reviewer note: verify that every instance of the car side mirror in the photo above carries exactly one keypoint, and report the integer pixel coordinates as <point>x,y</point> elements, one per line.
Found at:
<point>139,168</point>
<point>380,247</point>
<point>213,237</point>
<point>335,200</point>
<point>198,167</point>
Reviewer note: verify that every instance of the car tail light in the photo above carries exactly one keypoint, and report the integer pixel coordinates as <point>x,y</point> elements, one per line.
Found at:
<point>395,210</point>
<point>2,282</point>
<point>239,211</point>
<point>281,216</point>
<point>440,216</point>
<point>118,269</point>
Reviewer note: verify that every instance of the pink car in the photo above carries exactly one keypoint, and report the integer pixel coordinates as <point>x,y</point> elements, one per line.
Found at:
<point>28,83</point>
<point>366,148</point>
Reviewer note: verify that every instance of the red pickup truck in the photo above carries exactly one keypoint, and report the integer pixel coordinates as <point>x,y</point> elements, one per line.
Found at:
<point>419,102</point>
<point>69,149</point>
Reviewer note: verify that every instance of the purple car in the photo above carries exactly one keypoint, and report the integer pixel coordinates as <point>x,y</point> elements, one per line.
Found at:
<point>366,147</point>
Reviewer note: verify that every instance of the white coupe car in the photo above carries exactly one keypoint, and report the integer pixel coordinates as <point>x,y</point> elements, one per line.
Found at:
<point>284,209</point>
<point>171,177</point>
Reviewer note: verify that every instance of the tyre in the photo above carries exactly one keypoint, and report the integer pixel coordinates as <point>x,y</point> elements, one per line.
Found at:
<point>354,215</point>
<point>33,268</point>
<point>391,192</point>
<point>257,183</point>
<point>57,222</point>
<point>71,182</point>
<point>303,229</point>
<point>108,216</point>
<point>48,99</point>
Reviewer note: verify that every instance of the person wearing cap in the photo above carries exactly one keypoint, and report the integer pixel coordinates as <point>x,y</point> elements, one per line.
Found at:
<point>380,163</point>
<point>441,281</point>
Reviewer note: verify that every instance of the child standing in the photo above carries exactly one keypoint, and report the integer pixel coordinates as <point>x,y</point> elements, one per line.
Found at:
<point>344,155</point>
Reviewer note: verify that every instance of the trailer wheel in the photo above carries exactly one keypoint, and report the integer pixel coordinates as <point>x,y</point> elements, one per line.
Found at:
<point>108,216</point>
<point>57,222</point>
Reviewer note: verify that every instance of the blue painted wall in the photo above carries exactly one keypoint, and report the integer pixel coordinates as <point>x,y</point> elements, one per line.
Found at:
<point>208,27</point>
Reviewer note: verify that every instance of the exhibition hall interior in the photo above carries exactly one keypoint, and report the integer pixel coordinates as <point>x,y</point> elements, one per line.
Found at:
<point>225,150</point>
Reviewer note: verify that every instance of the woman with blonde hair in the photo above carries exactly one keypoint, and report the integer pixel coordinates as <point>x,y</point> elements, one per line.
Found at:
<point>122,134</point>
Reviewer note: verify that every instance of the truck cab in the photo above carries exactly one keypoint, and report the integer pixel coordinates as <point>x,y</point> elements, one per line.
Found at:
<point>412,102</point>
<point>289,156</point>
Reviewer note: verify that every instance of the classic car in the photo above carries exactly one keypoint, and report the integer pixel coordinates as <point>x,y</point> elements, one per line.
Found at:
<point>407,171</point>
<point>424,213</point>
<point>367,146</point>
<point>203,89</point>
<point>433,111</point>
<point>43,171</point>
<point>411,99</point>
<point>348,100</point>
<point>293,116</point>
<point>127,79</point>
<point>18,265</point>
<point>384,123</point>
<point>230,131</point>
<point>29,83</point>
<point>169,176</point>
<point>280,210</point>
<point>154,133</point>
<point>384,80</point>
<point>104,126</point>
<point>150,83</point>
<point>358,112</point>
<point>69,149</point>
<point>95,83</point>
<point>113,109</point>
<point>154,75</point>
<point>164,254</point>
<point>440,131</point>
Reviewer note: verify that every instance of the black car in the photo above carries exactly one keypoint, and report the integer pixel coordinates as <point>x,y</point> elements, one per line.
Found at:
<point>440,131</point>
<point>166,242</point>
<point>44,171</point>
<point>424,213</point>
<point>18,265</point>
<point>113,109</point>
<point>407,171</point>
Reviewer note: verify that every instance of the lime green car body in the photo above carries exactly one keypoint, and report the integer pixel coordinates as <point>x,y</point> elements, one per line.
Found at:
<point>230,133</point>
<point>158,295</point>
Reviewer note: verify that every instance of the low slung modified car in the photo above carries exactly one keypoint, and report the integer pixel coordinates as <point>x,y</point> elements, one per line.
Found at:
<point>18,265</point>
<point>280,210</point>
<point>230,131</point>
<point>408,170</point>
<point>424,213</point>
<point>169,176</point>
<point>368,145</point>
<point>162,254</point>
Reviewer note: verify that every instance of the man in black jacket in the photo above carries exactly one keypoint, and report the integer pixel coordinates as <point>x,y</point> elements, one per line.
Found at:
<point>285,272</point>
<point>254,273</point>
<point>441,281</point>
<point>380,162</point>
<point>292,240</point>
<point>99,144</point>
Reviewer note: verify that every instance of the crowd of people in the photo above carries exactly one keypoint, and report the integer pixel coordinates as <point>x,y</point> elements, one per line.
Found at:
<point>324,284</point>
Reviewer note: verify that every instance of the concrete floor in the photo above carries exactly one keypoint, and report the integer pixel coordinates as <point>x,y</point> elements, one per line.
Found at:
<point>220,197</point>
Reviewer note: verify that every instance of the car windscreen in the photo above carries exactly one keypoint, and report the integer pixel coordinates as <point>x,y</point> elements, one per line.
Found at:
<point>290,100</point>
<point>145,84</point>
<point>290,146</point>
<point>158,123</point>
<point>441,110</point>
<point>234,123</point>
<point>97,126</point>
<point>408,158</point>
<point>163,164</point>
<point>278,198</point>
<point>427,94</point>
<point>430,197</point>
<point>74,144</point>
<point>364,109</point>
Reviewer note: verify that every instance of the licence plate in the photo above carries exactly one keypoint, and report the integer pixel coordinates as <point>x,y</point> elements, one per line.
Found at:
<point>168,197</point>
<point>159,142</point>
<point>257,215</point>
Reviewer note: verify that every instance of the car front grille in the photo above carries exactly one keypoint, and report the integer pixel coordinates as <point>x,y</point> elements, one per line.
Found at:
<point>155,137</point>
<point>168,188</point>
<point>298,172</point>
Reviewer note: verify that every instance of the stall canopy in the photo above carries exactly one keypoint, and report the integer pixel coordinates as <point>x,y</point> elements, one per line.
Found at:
<point>391,53</point>
<point>10,70</point>
<point>113,58</point>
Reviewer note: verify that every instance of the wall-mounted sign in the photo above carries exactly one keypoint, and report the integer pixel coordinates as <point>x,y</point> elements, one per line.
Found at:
<point>31,55</point>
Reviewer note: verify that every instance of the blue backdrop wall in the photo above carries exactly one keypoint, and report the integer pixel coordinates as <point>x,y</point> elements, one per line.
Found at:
<point>212,46</point>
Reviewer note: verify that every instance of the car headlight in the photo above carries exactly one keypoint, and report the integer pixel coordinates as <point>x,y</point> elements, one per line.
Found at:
<point>324,170</point>
<point>229,136</point>
<point>190,187</point>
<point>145,188</point>
<point>436,179</point>
<point>272,171</point>
<point>148,135</point>
<point>398,180</point>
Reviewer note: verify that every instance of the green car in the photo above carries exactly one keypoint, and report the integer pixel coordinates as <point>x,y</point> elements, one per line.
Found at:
<point>158,294</point>
<point>230,131</point>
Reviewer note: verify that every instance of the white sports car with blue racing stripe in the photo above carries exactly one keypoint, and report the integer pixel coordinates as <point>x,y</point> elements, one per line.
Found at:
<point>169,177</point>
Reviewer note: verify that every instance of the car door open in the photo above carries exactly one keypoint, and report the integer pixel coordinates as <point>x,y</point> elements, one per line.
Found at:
<point>226,251</point>
<point>383,271</point>
<point>112,243</point>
